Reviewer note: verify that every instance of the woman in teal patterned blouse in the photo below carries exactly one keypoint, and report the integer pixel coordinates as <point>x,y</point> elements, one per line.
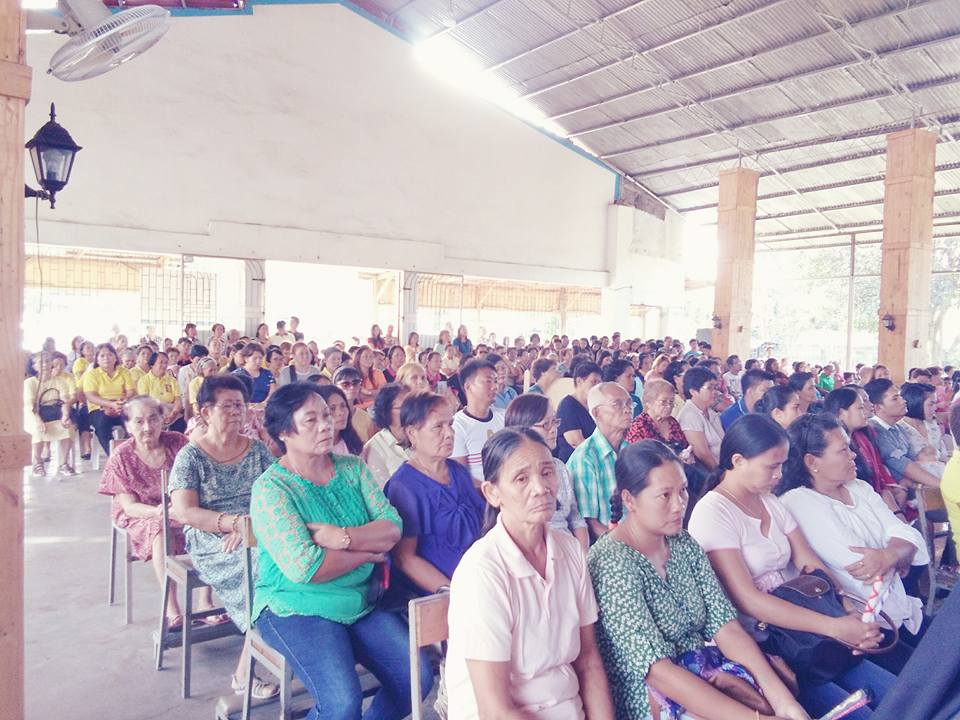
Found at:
<point>322,522</point>
<point>660,603</point>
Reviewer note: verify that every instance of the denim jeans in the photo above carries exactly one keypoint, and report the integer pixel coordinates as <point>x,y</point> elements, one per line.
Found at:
<point>322,654</point>
<point>818,699</point>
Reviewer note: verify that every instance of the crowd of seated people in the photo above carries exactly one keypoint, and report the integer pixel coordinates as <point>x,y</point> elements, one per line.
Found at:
<point>612,518</point>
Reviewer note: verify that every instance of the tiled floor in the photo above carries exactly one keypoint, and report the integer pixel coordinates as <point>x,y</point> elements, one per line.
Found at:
<point>81,660</point>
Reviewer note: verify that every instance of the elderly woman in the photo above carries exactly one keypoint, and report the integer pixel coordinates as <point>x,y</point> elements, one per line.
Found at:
<point>661,603</point>
<point>47,397</point>
<point>384,452</point>
<point>132,478</point>
<point>106,387</point>
<point>300,369</point>
<point>413,377</point>
<point>522,609</point>
<point>158,384</point>
<point>441,509</point>
<point>260,381</point>
<point>656,422</point>
<point>322,523</point>
<point>533,411</point>
<point>206,367</point>
<point>210,486</point>
<point>847,524</point>
<point>332,359</point>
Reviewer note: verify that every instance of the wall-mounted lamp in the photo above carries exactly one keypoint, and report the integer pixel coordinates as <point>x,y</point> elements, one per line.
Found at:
<point>888,322</point>
<point>717,322</point>
<point>52,151</point>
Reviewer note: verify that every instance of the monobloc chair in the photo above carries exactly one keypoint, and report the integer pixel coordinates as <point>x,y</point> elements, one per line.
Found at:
<point>928,499</point>
<point>180,573</point>
<point>428,626</point>
<point>119,533</point>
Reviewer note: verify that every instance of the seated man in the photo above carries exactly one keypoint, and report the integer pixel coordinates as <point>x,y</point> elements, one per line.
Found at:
<point>479,419</point>
<point>754,383</point>
<point>593,462</point>
<point>889,408</point>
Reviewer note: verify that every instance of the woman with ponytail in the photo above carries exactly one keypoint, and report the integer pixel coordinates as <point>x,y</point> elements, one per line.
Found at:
<point>522,609</point>
<point>660,603</point>
<point>755,545</point>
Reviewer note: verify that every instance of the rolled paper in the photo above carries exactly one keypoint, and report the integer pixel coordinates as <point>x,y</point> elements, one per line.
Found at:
<point>854,701</point>
<point>873,602</point>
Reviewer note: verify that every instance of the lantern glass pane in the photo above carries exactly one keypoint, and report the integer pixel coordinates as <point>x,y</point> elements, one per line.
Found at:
<point>57,164</point>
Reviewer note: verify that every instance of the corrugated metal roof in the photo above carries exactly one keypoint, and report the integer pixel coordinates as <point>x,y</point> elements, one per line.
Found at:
<point>651,85</point>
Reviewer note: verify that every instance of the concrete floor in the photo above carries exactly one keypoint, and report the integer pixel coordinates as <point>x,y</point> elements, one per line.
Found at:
<point>80,657</point>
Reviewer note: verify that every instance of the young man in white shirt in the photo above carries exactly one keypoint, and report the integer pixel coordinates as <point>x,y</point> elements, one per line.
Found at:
<point>479,419</point>
<point>282,335</point>
<point>732,376</point>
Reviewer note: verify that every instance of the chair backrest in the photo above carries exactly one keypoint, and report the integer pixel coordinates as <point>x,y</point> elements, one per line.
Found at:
<point>249,546</point>
<point>428,620</point>
<point>165,510</point>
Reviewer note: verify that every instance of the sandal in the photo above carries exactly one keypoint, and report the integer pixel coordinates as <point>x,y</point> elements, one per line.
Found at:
<point>39,470</point>
<point>68,470</point>
<point>214,619</point>
<point>260,691</point>
<point>175,623</point>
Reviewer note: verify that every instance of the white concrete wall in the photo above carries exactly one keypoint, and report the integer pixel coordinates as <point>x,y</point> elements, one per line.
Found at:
<point>307,133</point>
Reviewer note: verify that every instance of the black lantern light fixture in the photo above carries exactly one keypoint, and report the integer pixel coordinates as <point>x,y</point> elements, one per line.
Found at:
<point>888,322</point>
<point>52,151</point>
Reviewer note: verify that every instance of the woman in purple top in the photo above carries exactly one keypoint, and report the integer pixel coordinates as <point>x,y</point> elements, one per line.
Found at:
<point>441,509</point>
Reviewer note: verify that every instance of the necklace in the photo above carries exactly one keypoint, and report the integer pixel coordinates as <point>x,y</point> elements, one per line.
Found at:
<point>742,506</point>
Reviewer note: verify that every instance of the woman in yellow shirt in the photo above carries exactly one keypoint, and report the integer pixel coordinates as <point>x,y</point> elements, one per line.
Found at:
<point>205,368</point>
<point>88,354</point>
<point>47,397</point>
<point>107,385</point>
<point>163,388</point>
<point>142,364</point>
<point>81,416</point>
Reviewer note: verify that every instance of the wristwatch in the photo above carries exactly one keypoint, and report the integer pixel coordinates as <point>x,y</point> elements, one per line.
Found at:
<point>345,540</point>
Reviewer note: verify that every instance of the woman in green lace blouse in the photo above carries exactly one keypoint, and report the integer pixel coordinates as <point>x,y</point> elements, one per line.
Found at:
<point>660,603</point>
<point>322,522</point>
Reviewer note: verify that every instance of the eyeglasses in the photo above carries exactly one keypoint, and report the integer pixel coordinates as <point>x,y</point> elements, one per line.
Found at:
<point>548,424</point>
<point>620,404</point>
<point>236,406</point>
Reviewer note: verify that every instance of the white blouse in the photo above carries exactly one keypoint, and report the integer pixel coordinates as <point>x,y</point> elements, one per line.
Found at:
<point>383,455</point>
<point>833,527</point>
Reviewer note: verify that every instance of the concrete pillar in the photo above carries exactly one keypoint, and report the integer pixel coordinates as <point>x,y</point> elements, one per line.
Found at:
<point>408,306</point>
<point>254,295</point>
<point>733,297</point>
<point>15,80</point>
<point>907,250</point>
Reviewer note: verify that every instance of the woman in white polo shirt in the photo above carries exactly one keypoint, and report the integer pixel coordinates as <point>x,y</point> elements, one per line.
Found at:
<point>522,608</point>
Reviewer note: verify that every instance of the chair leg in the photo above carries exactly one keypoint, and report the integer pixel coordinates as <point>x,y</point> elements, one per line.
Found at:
<point>186,649</point>
<point>127,582</point>
<point>248,680</point>
<point>162,632</point>
<point>415,709</point>
<point>286,680</point>
<point>112,584</point>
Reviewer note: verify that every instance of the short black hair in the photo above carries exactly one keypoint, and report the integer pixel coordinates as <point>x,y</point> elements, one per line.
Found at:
<point>345,372</point>
<point>732,360</point>
<point>799,379</point>
<point>695,378</point>
<point>585,369</point>
<point>472,367</point>
<point>915,394</point>
<point>877,388</point>
<point>754,377</point>
<point>278,416</point>
<point>540,367</point>
<point>383,402</point>
<point>218,383</point>
<point>417,407</point>
<point>751,363</point>
<point>614,369</point>
<point>198,351</point>
<point>526,410</point>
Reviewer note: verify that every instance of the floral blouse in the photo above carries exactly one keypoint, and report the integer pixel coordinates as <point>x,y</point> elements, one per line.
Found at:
<point>645,427</point>
<point>281,505</point>
<point>645,618</point>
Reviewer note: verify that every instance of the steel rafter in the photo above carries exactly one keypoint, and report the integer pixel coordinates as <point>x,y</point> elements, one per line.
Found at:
<point>862,53</point>
<point>466,18</point>
<point>787,147</point>
<point>923,45</point>
<point>837,105</point>
<point>569,34</point>
<point>912,4</point>
<point>841,227</point>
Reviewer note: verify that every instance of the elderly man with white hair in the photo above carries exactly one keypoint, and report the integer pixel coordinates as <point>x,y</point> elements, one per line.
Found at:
<point>593,463</point>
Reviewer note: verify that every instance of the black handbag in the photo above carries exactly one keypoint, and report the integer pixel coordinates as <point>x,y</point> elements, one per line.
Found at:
<point>49,412</point>
<point>816,658</point>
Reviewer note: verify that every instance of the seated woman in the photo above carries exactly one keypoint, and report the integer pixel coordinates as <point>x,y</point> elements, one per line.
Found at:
<point>210,485</point>
<point>371,379</point>
<point>433,373</point>
<point>106,386</point>
<point>656,422</point>
<point>345,438</point>
<point>699,421</point>
<point>921,427</point>
<point>533,411</point>
<point>522,609</point>
<point>413,377</point>
<point>132,477</point>
<point>442,511</point>
<point>781,403</point>
<point>847,524</point>
<point>848,406</point>
<point>47,398</point>
<point>301,368</point>
<point>261,380</point>
<point>755,545</point>
<point>576,422</point>
<point>385,452</point>
<point>206,367</point>
<point>322,523</point>
<point>396,356</point>
<point>804,385</point>
<point>158,384</point>
<point>660,603</point>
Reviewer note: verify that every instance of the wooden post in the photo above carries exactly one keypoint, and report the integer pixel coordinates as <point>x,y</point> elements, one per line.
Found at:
<point>733,296</point>
<point>14,443</point>
<point>907,250</point>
